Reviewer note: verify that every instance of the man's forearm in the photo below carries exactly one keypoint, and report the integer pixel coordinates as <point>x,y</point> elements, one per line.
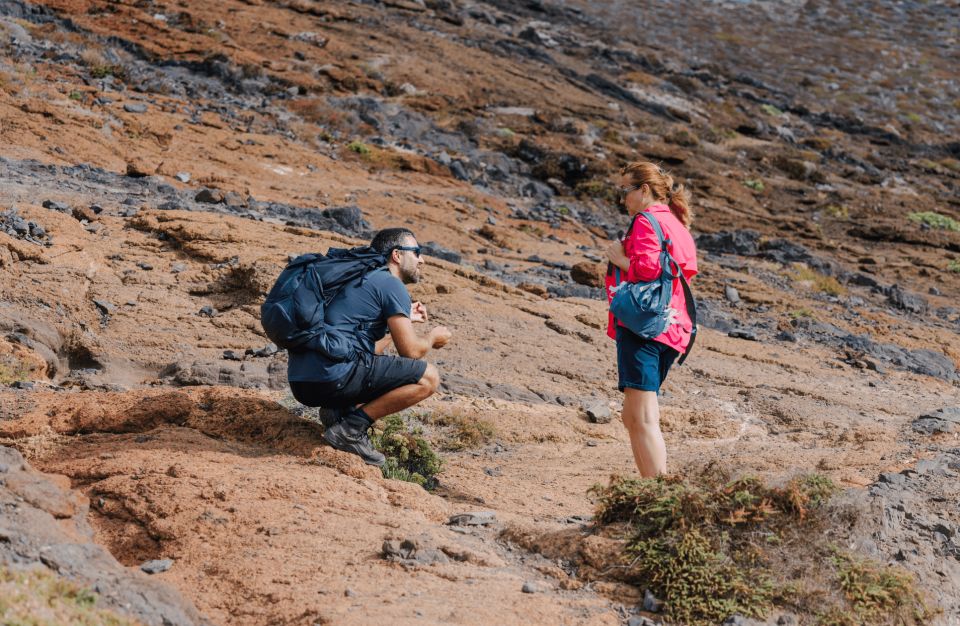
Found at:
<point>421,346</point>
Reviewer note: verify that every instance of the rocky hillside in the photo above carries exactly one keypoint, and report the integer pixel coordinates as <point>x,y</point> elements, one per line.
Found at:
<point>160,161</point>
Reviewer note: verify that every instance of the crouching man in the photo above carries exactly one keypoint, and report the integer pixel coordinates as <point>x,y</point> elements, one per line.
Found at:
<point>373,385</point>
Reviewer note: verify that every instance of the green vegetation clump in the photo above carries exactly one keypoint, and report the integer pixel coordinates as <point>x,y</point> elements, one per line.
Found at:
<point>359,147</point>
<point>710,546</point>
<point>837,211</point>
<point>409,456</point>
<point>801,312</point>
<point>531,230</point>
<point>104,70</point>
<point>40,598</point>
<point>954,266</point>
<point>934,220</point>
<point>769,109</point>
<point>879,593</point>
<point>698,581</point>
<point>699,546</point>
<point>755,184</point>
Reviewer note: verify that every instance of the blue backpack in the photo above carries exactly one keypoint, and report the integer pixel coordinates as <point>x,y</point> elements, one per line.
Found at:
<point>642,307</point>
<point>293,313</point>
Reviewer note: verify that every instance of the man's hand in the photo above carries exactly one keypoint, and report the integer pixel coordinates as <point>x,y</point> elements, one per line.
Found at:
<point>439,336</point>
<point>617,257</point>
<point>418,312</point>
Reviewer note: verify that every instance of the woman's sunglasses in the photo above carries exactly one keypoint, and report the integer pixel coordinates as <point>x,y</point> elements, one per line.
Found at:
<point>623,192</point>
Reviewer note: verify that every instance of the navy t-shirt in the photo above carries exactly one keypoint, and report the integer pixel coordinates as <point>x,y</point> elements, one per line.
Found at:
<point>370,302</point>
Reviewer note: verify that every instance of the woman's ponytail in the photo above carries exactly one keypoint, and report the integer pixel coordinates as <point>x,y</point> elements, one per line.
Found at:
<point>678,199</point>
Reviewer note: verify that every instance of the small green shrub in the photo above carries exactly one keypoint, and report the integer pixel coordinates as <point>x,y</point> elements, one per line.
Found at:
<point>506,133</point>
<point>699,582</point>
<point>954,266</point>
<point>934,220</point>
<point>102,71</point>
<point>801,312</point>
<point>755,184</point>
<point>531,230</point>
<point>879,592</point>
<point>359,147</point>
<point>769,109</point>
<point>75,95</point>
<point>837,211</point>
<point>700,544</point>
<point>710,547</point>
<point>409,456</point>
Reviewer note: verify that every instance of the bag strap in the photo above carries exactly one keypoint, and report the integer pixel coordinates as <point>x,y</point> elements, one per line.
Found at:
<point>692,313</point>
<point>691,305</point>
<point>664,242</point>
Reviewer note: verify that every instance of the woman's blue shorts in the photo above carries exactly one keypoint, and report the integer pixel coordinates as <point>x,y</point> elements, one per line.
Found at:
<point>642,363</point>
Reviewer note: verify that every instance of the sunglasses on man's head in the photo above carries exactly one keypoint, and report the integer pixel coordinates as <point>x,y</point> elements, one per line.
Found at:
<point>415,249</point>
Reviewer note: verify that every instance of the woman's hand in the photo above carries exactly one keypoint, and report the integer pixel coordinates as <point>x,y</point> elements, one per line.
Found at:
<point>617,257</point>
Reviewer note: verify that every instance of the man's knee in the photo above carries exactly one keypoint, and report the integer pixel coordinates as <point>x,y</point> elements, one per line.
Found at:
<point>430,379</point>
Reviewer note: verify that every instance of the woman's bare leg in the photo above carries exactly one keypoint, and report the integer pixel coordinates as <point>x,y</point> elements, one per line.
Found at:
<point>641,416</point>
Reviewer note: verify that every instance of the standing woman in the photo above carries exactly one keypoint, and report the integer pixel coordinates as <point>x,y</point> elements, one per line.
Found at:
<point>642,363</point>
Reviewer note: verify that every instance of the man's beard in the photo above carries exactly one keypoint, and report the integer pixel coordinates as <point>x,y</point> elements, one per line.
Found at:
<point>409,277</point>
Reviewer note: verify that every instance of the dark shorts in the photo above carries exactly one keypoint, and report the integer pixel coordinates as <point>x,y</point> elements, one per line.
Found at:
<point>370,377</point>
<point>642,363</point>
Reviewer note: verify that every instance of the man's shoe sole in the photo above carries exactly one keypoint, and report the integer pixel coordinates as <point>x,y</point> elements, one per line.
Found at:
<point>334,440</point>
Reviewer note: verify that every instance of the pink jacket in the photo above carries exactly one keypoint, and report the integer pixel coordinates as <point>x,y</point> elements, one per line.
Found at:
<point>643,249</point>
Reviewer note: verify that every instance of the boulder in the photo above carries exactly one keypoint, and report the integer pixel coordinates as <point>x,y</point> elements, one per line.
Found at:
<point>588,273</point>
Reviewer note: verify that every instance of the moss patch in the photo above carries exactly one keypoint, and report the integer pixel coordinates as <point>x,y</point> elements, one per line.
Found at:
<point>934,220</point>
<point>40,598</point>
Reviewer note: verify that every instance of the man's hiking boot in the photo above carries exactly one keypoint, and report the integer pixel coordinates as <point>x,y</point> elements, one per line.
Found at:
<point>350,435</point>
<point>329,417</point>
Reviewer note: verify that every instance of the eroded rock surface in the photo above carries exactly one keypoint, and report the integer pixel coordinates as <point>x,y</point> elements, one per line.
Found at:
<point>44,524</point>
